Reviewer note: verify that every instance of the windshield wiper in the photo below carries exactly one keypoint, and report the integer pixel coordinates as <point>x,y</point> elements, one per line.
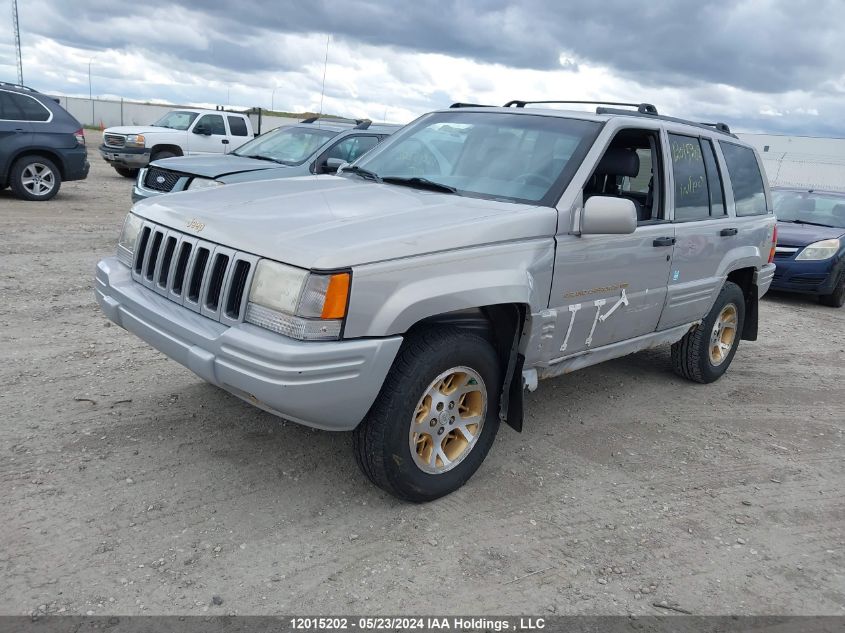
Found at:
<point>806,222</point>
<point>360,171</point>
<point>419,183</point>
<point>261,157</point>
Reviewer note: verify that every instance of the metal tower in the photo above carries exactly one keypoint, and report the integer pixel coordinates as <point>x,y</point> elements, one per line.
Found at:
<point>17,40</point>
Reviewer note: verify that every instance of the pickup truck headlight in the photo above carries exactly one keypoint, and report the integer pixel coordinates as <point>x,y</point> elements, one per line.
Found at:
<point>296,303</point>
<point>820,250</point>
<point>203,183</point>
<point>128,236</point>
<point>135,140</point>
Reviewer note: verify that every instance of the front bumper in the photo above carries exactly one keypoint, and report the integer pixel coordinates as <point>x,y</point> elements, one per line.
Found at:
<point>806,277</point>
<point>127,157</point>
<point>76,164</point>
<point>763,279</point>
<point>323,385</point>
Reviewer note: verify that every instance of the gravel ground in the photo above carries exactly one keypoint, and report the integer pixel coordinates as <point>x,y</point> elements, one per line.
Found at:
<point>131,486</point>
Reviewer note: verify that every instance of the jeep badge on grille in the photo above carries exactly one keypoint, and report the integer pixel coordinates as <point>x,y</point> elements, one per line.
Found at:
<point>196,225</point>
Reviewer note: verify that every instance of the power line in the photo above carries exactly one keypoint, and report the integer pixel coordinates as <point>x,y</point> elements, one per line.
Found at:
<point>17,29</point>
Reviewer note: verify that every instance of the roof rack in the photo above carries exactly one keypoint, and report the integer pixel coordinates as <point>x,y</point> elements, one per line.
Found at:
<point>360,124</point>
<point>721,127</point>
<point>460,104</point>
<point>9,84</point>
<point>642,108</point>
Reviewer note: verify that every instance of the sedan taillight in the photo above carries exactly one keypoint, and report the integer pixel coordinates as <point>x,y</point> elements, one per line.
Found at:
<point>80,136</point>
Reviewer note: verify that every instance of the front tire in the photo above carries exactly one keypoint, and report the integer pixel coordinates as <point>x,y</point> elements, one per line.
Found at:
<point>836,299</point>
<point>706,352</point>
<point>126,172</point>
<point>35,178</point>
<point>435,418</point>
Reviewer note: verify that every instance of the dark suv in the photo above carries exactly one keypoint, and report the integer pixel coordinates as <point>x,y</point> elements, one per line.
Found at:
<point>40,144</point>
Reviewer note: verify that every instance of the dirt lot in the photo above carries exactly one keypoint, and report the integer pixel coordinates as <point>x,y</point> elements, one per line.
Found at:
<point>130,486</point>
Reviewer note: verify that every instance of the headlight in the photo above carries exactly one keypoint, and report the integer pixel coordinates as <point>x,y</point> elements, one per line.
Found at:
<point>296,303</point>
<point>128,236</point>
<point>203,183</point>
<point>135,140</point>
<point>820,250</point>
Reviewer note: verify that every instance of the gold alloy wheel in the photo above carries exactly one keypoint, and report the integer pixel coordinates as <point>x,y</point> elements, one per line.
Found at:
<point>448,420</point>
<point>723,335</point>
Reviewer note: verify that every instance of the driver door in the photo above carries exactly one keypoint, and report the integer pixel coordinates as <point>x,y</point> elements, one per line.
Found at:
<point>208,135</point>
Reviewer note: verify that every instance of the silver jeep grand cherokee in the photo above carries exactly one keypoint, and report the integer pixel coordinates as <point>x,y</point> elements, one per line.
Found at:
<point>411,298</point>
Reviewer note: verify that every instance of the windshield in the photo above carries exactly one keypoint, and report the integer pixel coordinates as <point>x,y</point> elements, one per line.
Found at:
<point>290,145</point>
<point>516,157</point>
<point>812,208</point>
<point>177,120</point>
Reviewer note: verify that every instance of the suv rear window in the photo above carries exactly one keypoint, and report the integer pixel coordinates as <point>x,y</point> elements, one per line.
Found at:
<point>238,126</point>
<point>746,179</point>
<point>18,107</point>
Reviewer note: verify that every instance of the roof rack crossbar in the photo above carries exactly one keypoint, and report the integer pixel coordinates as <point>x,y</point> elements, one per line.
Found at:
<point>460,104</point>
<point>722,127</point>
<point>363,124</point>
<point>642,108</point>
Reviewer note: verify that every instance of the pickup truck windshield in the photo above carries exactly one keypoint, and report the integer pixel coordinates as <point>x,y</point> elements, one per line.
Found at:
<point>177,120</point>
<point>515,157</point>
<point>803,207</point>
<point>289,145</point>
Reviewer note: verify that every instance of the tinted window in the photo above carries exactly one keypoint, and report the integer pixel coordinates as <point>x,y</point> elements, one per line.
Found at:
<point>238,126</point>
<point>714,180</point>
<point>352,147</point>
<point>692,201</point>
<point>746,179</point>
<point>213,123</point>
<point>516,157</point>
<point>288,145</point>
<point>18,107</point>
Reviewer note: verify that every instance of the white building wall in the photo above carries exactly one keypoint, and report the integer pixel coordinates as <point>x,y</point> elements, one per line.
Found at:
<point>801,161</point>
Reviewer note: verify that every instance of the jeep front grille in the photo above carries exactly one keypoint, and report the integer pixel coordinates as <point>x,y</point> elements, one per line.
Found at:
<point>160,179</point>
<point>202,276</point>
<point>114,140</point>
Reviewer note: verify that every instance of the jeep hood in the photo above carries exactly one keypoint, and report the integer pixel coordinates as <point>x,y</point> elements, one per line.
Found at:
<point>215,166</point>
<point>327,222</point>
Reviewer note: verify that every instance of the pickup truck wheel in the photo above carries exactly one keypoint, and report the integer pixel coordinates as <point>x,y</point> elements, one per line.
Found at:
<point>35,178</point>
<point>705,353</point>
<point>836,299</point>
<point>126,172</point>
<point>435,418</point>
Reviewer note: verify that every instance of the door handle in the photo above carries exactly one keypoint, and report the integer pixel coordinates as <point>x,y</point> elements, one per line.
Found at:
<point>663,241</point>
<point>225,141</point>
<point>727,232</point>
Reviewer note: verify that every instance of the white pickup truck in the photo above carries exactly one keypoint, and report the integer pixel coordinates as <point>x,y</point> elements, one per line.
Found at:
<point>181,132</point>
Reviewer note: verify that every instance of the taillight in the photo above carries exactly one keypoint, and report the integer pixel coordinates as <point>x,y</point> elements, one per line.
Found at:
<point>774,244</point>
<point>80,136</point>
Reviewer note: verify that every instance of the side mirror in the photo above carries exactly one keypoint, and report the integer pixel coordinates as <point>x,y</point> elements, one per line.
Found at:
<point>201,129</point>
<point>332,165</point>
<point>608,215</point>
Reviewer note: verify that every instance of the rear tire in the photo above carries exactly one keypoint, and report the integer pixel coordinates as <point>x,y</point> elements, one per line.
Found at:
<point>706,352</point>
<point>126,172</point>
<point>836,299</point>
<point>435,418</point>
<point>35,178</point>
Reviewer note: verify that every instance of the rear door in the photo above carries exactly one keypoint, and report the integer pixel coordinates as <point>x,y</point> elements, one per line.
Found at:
<point>15,130</point>
<point>705,231</point>
<point>238,131</point>
<point>208,135</point>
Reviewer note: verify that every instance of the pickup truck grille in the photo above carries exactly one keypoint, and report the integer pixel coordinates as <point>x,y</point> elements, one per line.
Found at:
<point>160,179</point>
<point>202,276</point>
<point>114,140</point>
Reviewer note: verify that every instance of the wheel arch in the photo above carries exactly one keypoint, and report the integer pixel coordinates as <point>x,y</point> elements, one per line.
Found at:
<point>50,155</point>
<point>165,147</point>
<point>744,278</point>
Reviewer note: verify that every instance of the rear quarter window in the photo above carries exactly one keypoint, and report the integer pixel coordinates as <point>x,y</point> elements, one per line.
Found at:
<point>18,107</point>
<point>746,179</point>
<point>238,126</point>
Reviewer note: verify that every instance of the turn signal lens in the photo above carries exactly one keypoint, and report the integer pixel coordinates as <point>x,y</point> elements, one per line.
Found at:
<point>337,295</point>
<point>774,244</point>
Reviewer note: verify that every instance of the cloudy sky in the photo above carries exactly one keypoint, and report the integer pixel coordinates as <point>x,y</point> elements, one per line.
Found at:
<point>760,65</point>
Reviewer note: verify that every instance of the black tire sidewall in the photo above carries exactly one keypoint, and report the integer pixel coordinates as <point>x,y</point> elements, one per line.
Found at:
<point>126,172</point>
<point>17,174</point>
<point>731,293</point>
<point>836,299</point>
<point>403,473</point>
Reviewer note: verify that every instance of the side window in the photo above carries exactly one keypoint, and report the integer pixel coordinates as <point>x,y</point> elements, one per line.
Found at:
<point>714,181</point>
<point>237,126</point>
<point>692,200</point>
<point>352,147</point>
<point>16,107</point>
<point>213,123</point>
<point>746,179</point>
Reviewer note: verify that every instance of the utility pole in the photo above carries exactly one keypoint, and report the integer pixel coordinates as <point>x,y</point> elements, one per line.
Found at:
<point>17,30</point>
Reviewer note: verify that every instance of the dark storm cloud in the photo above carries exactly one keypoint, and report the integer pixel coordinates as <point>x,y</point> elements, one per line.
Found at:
<point>763,46</point>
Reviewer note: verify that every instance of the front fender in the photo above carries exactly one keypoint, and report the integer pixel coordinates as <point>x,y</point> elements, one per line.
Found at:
<point>390,297</point>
